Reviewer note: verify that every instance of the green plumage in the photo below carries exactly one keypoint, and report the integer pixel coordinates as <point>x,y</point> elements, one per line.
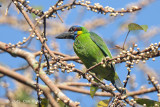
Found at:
<point>91,49</point>
<point>90,54</point>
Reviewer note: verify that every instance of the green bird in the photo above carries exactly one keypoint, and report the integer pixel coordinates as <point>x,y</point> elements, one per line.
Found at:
<point>91,49</point>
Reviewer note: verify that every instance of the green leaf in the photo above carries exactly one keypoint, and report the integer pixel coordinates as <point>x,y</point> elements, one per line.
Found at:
<point>145,27</point>
<point>93,90</point>
<point>103,103</point>
<point>149,103</point>
<point>134,26</point>
<point>37,8</point>
<point>62,104</point>
<point>44,102</point>
<point>23,95</point>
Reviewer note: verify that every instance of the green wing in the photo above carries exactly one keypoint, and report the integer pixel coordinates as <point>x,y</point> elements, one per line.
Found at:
<point>100,43</point>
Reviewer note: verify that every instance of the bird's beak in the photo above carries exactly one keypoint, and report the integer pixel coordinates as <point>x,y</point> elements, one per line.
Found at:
<point>66,35</point>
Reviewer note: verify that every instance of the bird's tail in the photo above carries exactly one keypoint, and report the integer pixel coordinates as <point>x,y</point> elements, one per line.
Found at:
<point>117,83</point>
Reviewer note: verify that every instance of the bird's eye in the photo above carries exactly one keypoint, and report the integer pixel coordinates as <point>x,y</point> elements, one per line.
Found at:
<point>79,29</point>
<point>74,28</point>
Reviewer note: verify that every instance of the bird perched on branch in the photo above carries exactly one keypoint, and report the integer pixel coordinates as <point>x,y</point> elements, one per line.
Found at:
<point>91,49</point>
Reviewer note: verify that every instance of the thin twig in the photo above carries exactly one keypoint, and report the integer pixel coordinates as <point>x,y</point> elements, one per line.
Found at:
<point>45,38</point>
<point>6,13</point>
<point>153,83</point>
<point>126,39</point>
<point>59,17</point>
<point>37,81</point>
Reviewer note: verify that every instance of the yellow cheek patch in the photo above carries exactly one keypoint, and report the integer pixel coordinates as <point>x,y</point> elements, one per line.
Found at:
<point>79,32</point>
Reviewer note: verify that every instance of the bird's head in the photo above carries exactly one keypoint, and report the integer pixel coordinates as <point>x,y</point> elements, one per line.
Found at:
<point>72,33</point>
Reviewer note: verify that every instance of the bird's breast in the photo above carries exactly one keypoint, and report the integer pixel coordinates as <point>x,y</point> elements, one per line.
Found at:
<point>87,51</point>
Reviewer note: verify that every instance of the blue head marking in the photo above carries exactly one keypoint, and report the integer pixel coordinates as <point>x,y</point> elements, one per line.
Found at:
<point>78,26</point>
<point>75,31</point>
<point>75,35</point>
